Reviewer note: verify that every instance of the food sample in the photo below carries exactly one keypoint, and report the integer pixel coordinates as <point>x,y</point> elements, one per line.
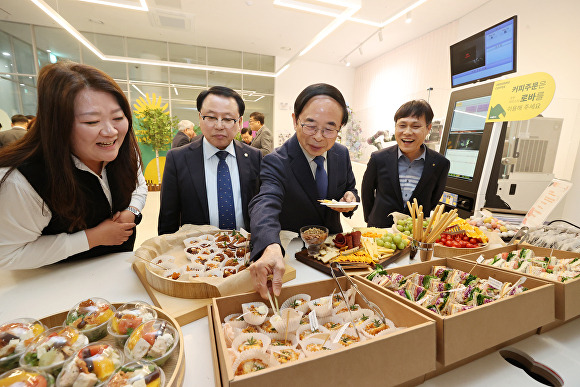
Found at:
<point>92,365</point>
<point>375,327</point>
<point>128,317</point>
<point>313,347</point>
<point>446,291</point>
<point>52,348</point>
<point>347,340</point>
<point>281,343</point>
<point>19,377</point>
<point>153,340</point>
<point>314,236</point>
<point>91,317</point>
<point>15,336</point>
<point>251,343</point>
<point>250,329</point>
<point>267,327</point>
<point>250,365</point>
<point>283,356</point>
<point>138,374</point>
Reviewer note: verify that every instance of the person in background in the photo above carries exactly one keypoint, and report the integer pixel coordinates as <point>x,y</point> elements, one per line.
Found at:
<point>73,187</point>
<point>246,135</point>
<point>263,139</point>
<point>18,130</point>
<point>184,135</point>
<point>406,171</point>
<point>308,167</point>
<point>211,180</point>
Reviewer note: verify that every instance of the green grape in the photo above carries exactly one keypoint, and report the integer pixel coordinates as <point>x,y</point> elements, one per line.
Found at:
<point>400,228</point>
<point>388,239</point>
<point>397,239</point>
<point>425,223</point>
<point>407,232</point>
<point>380,242</point>
<point>401,245</point>
<point>392,246</point>
<point>408,228</point>
<point>401,222</point>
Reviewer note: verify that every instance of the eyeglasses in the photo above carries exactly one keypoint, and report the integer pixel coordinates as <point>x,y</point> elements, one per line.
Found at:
<point>310,130</point>
<point>228,123</point>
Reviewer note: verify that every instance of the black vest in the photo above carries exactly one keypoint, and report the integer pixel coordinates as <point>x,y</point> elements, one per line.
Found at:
<point>98,208</point>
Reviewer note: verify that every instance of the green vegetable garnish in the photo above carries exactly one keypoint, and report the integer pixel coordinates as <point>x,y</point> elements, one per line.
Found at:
<point>31,358</point>
<point>251,341</point>
<point>377,323</point>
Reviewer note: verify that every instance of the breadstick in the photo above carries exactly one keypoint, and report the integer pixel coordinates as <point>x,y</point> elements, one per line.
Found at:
<point>420,227</point>
<point>438,228</point>
<point>428,229</point>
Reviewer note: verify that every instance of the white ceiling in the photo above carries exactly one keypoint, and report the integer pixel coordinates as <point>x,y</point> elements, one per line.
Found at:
<point>256,26</point>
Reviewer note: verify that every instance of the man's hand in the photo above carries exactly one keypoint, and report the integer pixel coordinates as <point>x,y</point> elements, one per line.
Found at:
<point>110,232</point>
<point>271,263</point>
<point>348,197</point>
<point>125,216</point>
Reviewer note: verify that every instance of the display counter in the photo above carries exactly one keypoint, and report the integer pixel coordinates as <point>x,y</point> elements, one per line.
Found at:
<point>48,290</point>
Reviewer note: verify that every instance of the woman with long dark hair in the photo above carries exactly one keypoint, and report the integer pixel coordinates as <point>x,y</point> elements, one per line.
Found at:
<point>72,187</point>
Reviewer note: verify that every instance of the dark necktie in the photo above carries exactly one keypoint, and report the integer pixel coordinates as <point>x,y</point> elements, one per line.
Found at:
<point>321,177</point>
<point>227,214</point>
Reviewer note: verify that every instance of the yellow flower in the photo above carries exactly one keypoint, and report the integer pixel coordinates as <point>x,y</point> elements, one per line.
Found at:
<point>146,103</point>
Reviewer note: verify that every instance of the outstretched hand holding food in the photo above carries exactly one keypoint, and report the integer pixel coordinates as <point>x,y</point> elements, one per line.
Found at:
<point>348,198</point>
<point>271,263</point>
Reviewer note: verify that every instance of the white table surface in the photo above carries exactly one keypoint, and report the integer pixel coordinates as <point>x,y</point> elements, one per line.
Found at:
<point>45,291</point>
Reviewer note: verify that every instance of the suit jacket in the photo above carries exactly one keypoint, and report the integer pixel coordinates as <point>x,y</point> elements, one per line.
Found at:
<point>288,197</point>
<point>263,140</point>
<point>183,191</point>
<point>12,135</point>
<point>180,139</point>
<point>381,191</point>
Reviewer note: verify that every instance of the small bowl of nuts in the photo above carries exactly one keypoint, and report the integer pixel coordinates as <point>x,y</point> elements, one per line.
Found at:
<point>313,237</point>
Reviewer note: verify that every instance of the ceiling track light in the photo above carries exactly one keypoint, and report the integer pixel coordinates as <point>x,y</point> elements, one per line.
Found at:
<point>408,18</point>
<point>360,50</point>
<point>380,35</point>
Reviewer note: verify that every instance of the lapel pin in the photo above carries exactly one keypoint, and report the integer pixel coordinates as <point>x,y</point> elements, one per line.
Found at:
<point>433,164</point>
<point>246,155</point>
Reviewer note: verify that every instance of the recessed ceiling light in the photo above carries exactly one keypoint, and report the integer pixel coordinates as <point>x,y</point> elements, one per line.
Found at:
<point>96,21</point>
<point>249,3</point>
<point>49,51</point>
<point>6,53</point>
<point>284,48</point>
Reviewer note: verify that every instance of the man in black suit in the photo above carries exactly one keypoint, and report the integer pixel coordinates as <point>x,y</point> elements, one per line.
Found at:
<point>185,133</point>
<point>405,171</point>
<point>308,167</point>
<point>211,180</point>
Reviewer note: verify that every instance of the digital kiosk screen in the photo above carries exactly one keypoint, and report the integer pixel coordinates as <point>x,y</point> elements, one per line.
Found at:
<point>465,136</point>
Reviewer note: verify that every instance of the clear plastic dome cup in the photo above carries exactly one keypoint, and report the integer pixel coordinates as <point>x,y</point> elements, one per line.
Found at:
<point>135,372</point>
<point>24,330</point>
<point>91,317</point>
<point>127,318</point>
<point>143,343</point>
<point>27,378</point>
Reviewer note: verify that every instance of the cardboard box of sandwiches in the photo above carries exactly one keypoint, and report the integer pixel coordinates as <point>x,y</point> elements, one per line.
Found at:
<point>332,354</point>
<point>554,266</point>
<point>476,308</point>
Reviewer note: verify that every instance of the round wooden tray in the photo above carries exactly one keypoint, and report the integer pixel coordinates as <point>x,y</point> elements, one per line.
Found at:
<point>174,368</point>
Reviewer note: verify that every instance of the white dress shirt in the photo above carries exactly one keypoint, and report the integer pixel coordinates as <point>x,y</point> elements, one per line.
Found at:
<point>22,245</point>
<point>210,163</point>
<point>311,162</point>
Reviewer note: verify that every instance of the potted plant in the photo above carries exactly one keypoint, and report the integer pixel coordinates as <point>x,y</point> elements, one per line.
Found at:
<point>154,126</point>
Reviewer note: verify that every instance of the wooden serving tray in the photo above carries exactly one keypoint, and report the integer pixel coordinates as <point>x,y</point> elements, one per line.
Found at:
<point>174,368</point>
<point>363,268</point>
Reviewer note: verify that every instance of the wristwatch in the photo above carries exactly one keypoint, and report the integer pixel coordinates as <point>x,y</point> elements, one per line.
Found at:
<point>138,215</point>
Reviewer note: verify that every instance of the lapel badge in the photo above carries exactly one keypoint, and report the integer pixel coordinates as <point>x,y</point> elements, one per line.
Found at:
<point>246,155</point>
<point>433,164</point>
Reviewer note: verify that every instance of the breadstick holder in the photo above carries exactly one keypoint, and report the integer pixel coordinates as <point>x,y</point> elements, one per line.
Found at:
<point>425,250</point>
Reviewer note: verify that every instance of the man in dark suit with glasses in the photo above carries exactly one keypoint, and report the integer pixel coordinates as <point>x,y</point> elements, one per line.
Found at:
<point>211,180</point>
<point>308,167</point>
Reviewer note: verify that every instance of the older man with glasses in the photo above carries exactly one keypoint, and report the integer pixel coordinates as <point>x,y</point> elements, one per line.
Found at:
<point>308,167</point>
<point>211,180</point>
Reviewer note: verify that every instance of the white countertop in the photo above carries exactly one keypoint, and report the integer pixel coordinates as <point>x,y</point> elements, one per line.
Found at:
<point>45,291</point>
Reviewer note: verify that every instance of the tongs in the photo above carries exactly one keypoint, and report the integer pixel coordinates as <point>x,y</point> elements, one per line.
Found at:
<point>372,306</point>
<point>522,233</point>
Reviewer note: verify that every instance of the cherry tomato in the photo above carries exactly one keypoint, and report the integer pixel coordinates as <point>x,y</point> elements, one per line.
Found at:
<point>456,244</point>
<point>448,243</point>
<point>474,241</point>
<point>465,238</point>
<point>438,240</point>
<point>462,243</point>
<point>470,246</point>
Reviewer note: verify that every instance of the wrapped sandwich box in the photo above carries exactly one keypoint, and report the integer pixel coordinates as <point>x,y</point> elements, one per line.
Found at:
<point>471,333</point>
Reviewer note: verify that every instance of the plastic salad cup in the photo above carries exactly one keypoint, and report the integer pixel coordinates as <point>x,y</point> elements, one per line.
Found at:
<point>52,348</point>
<point>15,336</point>
<point>138,373</point>
<point>22,378</point>
<point>91,366</point>
<point>91,317</point>
<point>154,340</point>
<point>128,317</point>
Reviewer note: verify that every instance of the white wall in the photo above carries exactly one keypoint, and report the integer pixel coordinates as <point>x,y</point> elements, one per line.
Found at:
<point>299,75</point>
<point>547,36</point>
